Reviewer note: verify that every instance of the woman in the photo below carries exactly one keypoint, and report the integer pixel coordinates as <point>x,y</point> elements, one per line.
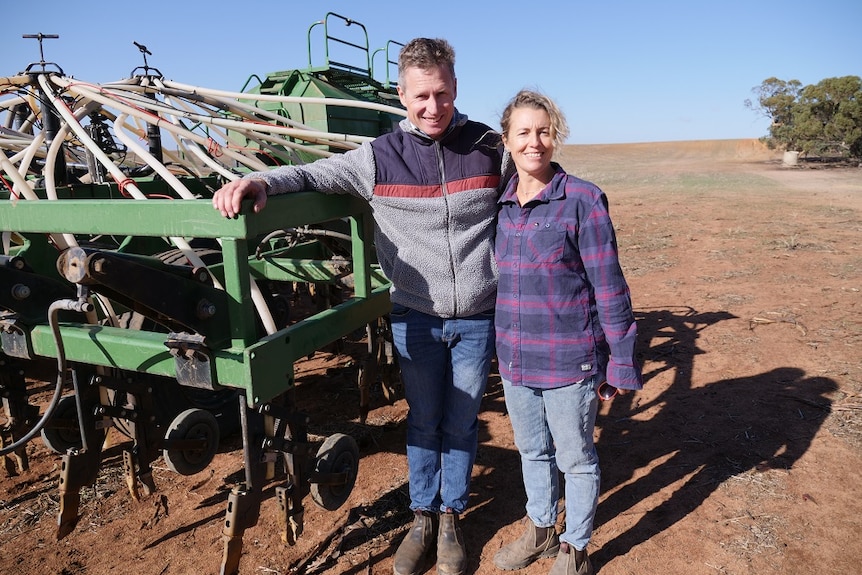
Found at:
<point>564,325</point>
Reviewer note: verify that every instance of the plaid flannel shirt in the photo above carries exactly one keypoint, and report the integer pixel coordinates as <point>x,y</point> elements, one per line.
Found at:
<point>563,310</point>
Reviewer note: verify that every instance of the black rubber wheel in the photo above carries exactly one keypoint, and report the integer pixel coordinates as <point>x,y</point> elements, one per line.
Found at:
<point>63,437</point>
<point>192,424</point>
<point>338,454</point>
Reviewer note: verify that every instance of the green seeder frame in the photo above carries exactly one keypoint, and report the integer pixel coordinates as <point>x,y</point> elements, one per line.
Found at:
<point>262,367</point>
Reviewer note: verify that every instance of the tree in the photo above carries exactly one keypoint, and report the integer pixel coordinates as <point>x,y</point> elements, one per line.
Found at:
<point>831,114</point>
<point>776,100</point>
<point>821,119</point>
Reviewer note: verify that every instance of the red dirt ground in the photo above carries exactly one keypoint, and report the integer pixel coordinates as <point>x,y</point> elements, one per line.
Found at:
<point>740,456</point>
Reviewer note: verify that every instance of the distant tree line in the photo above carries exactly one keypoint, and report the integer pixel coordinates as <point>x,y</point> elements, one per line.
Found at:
<point>823,119</point>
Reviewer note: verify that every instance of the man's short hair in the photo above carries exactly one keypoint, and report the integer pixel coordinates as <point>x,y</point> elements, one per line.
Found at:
<point>426,53</point>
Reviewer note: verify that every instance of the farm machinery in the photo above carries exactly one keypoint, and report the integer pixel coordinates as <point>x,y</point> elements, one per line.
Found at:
<point>164,320</point>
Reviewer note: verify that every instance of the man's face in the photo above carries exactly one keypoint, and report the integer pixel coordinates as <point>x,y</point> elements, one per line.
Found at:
<point>429,96</point>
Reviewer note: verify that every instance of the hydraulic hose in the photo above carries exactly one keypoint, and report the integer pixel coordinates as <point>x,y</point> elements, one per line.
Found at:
<point>53,313</point>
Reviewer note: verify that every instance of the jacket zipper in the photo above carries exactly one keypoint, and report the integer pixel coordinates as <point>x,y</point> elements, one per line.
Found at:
<point>438,149</point>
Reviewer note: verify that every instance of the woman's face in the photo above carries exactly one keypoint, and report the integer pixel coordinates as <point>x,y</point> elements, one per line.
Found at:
<point>530,140</point>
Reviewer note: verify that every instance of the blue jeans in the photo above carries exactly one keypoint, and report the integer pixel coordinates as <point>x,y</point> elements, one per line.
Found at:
<point>554,432</point>
<point>444,366</point>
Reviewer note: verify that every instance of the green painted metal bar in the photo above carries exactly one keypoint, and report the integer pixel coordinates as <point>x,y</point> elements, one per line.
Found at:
<point>237,284</point>
<point>359,227</point>
<point>132,350</point>
<point>173,218</point>
<point>270,361</point>
<point>263,369</point>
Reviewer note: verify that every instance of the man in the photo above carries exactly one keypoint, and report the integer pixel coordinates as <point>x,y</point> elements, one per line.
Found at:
<point>433,186</point>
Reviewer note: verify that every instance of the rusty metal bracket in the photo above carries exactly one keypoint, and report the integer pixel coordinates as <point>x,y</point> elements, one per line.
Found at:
<point>15,337</point>
<point>192,360</point>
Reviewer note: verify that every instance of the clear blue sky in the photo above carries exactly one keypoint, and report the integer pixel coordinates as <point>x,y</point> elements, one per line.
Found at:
<point>622,71</point>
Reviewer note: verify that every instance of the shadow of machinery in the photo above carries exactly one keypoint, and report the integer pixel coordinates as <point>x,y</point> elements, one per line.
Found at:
<point>703,436</point>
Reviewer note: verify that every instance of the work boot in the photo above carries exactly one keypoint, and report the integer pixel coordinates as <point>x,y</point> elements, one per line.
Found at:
<point>451,555</point>
<point>570,561</point>
<point>534,543</point>
<point>411,554</point>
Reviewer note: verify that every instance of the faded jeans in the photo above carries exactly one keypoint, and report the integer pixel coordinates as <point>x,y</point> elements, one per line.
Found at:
<point>444,366</point>
<point>553,431</point>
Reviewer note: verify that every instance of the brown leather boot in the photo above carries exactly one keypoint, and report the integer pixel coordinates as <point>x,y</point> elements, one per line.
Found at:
<point>451,554</point>
<point>413,551</point>
<point>571,561</point>
<point>534,543</point>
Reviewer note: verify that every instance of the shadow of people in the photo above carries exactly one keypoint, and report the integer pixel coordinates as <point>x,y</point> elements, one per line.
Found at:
<point>695,438</point>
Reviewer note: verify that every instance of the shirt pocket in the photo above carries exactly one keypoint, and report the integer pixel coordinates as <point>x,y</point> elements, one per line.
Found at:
<point>501,244</point>
<point>545,243</point>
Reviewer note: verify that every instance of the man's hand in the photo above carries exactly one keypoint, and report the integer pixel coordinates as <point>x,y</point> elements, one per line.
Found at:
<point>228,199</point>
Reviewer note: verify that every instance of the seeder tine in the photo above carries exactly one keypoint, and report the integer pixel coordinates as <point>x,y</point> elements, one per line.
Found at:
<point>67,518</point>
<point>243,510</point>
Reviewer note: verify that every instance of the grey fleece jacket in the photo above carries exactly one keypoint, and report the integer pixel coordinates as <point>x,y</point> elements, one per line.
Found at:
<point>434,204</point>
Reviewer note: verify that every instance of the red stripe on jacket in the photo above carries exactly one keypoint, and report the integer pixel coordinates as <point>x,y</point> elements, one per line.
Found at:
<point>436,191</point>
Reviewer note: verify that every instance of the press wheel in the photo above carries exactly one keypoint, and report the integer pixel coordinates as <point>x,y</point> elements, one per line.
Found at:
<point>338,454</point>
<point>192,424</point>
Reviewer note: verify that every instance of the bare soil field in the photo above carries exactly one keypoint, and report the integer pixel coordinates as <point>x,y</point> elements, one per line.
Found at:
<point>740,456</point>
